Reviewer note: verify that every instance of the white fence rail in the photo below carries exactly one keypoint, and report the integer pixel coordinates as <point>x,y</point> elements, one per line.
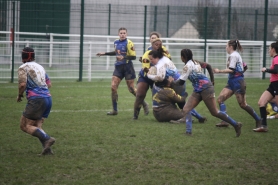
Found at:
<point>59,54</point>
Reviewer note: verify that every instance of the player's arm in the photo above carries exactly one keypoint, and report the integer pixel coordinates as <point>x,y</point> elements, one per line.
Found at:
<point>160,75</point>
<point>207,66</point>
<point>21,89</point>
<point>272,71</point>
<point>173,96</point>
<point>112,53</point>
<point>131,54</point>
<point>48,82</point>
<point>167,54</point>
<point>245,67</point>
<point>22,80</point>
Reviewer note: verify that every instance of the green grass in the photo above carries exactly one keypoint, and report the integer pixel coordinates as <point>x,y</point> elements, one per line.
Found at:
<point>93,148</point>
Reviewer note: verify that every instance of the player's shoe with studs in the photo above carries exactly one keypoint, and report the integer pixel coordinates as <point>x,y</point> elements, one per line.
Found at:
<point>179,121</point>
<point>261,129</point>
<point>238,129</point>
<point>146,108</point>
<point>222,124</point>
<point>47,145</point>
<point>112,113</point>
<point>202,120</point>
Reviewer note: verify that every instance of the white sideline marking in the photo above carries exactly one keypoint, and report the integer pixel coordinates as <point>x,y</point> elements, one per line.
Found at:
<point>95,110</point>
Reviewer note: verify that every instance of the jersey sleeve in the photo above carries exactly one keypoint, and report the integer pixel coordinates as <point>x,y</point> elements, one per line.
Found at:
<point>22,75</point>
<point>47,79</point>
<point>173,96</point>
<point>167,54</point>
<point>232,62</point>
<point>130,49</point>
<point>160,75</point>
<point>146,60</point>
<point>186,70</point>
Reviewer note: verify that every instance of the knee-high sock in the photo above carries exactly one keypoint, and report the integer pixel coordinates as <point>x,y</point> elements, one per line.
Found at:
<point>41,135</point>
<point>188,122</point>
<point>222,107</point>
<point>263,115</point>
<point>195,114</point>
<point>115,101</point>
<point>251,111</point>
<point>225,117</point>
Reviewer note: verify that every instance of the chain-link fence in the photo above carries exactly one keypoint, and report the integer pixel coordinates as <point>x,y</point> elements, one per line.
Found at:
<point>205,20</point>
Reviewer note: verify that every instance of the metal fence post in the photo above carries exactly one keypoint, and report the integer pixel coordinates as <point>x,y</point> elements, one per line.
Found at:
<point>229,20</point>
<point>12,72</point>
<point>145,29</point>
<point>81,41</point>
<point>265,33</point>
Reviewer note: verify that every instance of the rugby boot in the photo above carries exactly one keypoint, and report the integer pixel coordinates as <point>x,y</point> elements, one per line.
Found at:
<point>222,124</point>
<point>179,121</point>
<point>238,129</point>
<point>112,113</point>
<point>47,152</point>
<point>47,145</point>
<point>202,120</point>
<point>261,129</point>
<point>146,108</point>
<point>188,133</point>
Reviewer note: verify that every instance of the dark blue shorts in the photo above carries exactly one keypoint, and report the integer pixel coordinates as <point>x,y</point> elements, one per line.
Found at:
<point>237,85</point>
<point>38,108</point>
<point>144,78</point>
<point>125,71</point>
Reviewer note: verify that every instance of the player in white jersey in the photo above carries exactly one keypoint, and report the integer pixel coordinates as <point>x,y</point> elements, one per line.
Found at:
<point>203,90</point>
<point>33,79</point>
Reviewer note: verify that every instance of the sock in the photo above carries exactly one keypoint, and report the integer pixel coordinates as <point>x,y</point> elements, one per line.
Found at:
<point>263,115</point>
<point>222,107</point>
<point>188,122</point>
<point>251,111</point>
<point>195,114</point>
<point>225,117</point>
<point>114,101</point>
<point>41,135</point>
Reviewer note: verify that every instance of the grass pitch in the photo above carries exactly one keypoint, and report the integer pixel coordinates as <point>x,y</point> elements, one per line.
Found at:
<point>93,148</point>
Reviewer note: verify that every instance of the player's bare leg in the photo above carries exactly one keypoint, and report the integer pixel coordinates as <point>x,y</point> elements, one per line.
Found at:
<point>241,99</point>
<point>132,90</point>
<point>141,92</point>
<point>30,126</point>
<point>114,95</point>
<point>224,95</point>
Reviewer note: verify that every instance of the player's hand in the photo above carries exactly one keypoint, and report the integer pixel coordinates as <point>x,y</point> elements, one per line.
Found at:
<point>146,70</point>
<point>140,59</point>
<point>120,57</point>
<point>263,69</point>
<point>212,83</point>
<point>215,70</point>
<point>19,98</point>
<point>99,54</point>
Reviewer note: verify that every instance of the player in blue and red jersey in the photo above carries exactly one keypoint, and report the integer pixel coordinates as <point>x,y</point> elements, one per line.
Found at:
<point>125,53</point>
<point>236,83</point>
<point>203,90</point>
<point>33,79</point>
<point>271,94</point>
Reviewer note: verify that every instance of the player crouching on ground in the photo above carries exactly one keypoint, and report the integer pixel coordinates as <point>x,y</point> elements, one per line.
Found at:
<point>33,79</point>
